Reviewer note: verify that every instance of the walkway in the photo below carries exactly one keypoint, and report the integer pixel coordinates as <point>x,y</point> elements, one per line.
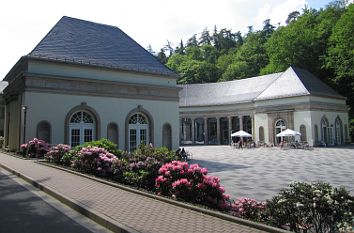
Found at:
<point>262,172</point>
<point>131,212</point>
<point>25,209</point>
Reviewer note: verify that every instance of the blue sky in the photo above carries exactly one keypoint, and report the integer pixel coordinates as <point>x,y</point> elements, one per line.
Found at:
<point>24,23</point>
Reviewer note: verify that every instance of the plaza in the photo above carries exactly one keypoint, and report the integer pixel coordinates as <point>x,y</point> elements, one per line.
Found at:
<point>261,173</point>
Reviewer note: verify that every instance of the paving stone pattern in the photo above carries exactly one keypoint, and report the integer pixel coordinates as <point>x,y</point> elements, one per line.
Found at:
<point>262,172</point>
<point>135,211</point>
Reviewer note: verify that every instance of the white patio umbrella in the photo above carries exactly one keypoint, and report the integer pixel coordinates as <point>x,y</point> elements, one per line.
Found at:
<point>288,133</point>
<point>241,133</point>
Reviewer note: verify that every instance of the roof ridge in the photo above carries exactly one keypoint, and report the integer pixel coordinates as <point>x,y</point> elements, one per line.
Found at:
<point>225,82</point>
<point>280,74</point>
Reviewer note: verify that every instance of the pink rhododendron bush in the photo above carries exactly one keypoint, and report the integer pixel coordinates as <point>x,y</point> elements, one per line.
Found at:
<point>95,160</point>
<point>35,148</point>
<point>191,183</point>
<point>303,207</point>
<point>56,153</point>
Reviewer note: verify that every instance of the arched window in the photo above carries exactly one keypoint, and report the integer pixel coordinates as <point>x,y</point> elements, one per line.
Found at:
<point>316,133</point>
<point>81,128</point>
<point>339,131</point>
<point>325,130</point>
<point>261,134</point>
<point>303,136</point>
<point>279,127</point>
<point>44,131</point>
<point>346,133</point>
<point>167,136</point>
<point>112,132</point>
<point>138,131</point>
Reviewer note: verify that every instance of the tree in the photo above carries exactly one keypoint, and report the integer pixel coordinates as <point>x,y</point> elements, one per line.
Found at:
<point>169,47</point>
<point>205,37</point>
<point>252,53</point>
<point>192,42</point>
<point>292,17</point>
<point>161,56</point>
<point>268,29</point>
<point>237,70</point>
<point>150,50</point>
<point>180,49</point>
<point>340,56</point>
<point>340,52</point>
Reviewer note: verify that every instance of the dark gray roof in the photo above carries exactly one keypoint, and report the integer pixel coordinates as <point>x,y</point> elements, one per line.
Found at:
<point>3,85</point>
<point>83,42</point>
<point>237,91</point>
<point>297,82</point>
<point>290,83</point>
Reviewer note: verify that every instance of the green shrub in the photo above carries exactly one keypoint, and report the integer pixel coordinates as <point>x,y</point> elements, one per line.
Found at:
<point>317,207</point>
<point>141,174</point>
<point>102,143</point>
<point>56,153</point>
<point>143,151</point>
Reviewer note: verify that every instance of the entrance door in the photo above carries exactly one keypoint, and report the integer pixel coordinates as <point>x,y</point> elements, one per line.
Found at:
<point>279,127</point>
<point>81,128</point>
<point>138,131</point>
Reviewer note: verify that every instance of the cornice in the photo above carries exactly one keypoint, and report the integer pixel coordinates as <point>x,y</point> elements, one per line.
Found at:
<point>88,87</point>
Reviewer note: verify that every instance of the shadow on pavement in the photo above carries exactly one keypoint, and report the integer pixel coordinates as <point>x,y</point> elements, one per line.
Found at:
<point>23,211</point>
<point>214,166</point>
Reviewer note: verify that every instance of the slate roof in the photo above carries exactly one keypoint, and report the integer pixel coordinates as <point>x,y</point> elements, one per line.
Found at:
<point>293,82</point>
<point>3,85</point>
<point>83,42</point>
<point>222,93</point>
<point>297,82</point>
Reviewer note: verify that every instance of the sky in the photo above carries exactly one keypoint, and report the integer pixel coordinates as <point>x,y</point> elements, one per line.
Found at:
<point>24,23</point>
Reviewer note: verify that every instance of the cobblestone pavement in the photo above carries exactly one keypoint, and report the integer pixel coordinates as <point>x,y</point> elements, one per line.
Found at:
<point>262,172</point>
<point>138,212</point>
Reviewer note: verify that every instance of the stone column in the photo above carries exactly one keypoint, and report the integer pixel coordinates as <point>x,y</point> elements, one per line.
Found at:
<point>193,129</point>
<point>180,136</point>
<point>205,130</point>
<point>218,130</point>
<point>252,127</point>
<point>229,125</point>
<point>241,122</point>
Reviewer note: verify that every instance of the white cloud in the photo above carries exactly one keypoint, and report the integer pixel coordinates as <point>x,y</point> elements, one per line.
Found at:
<point>277,11</point>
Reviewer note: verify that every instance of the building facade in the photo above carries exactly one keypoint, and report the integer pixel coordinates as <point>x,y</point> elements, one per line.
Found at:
<point>263,106</point>
<point>85,81</point>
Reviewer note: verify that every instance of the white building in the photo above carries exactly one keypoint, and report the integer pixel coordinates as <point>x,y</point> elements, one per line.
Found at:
<point>84,81</point>
<point>263,106</point>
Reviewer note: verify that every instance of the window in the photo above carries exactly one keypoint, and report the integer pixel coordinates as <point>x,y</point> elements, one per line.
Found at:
<point>112,133</point>
<point>167,136</point>
<point>279,127</point>
<point>303,136</point>
<point>316,133</point>
<point>346,133</point>
<point>138,130</point>
<point>325,130</point>
<point>44,131</point>
<point>261,134</point>
<point>81,128</point>
<point>338,131</point>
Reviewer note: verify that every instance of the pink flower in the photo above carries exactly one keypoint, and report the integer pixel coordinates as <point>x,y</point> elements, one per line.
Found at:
<point>221,189</point>
<point>204,171</point>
